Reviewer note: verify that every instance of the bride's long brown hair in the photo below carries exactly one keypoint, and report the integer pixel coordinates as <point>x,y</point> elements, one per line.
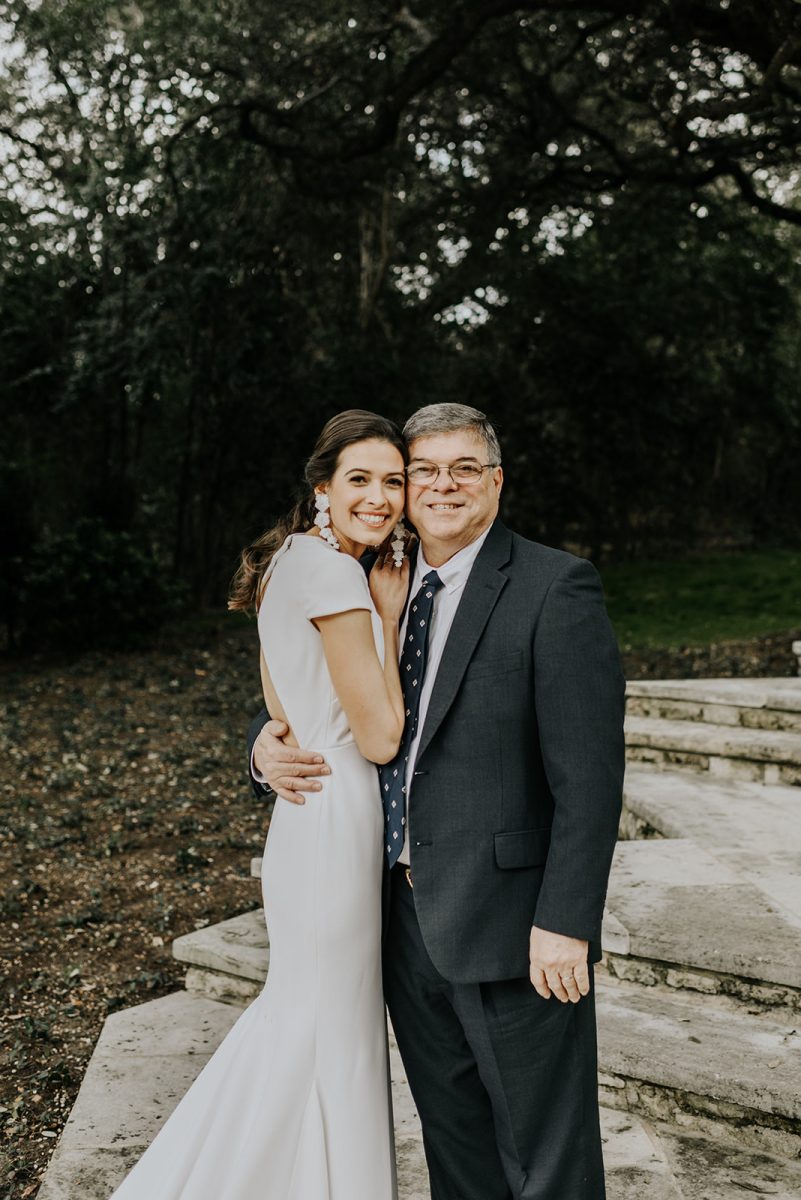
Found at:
<point>353,425</point>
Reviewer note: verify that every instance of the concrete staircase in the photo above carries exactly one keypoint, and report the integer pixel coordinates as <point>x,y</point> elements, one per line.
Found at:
<point>700,1012</point>
<point>733,729</point>
<point>699,997</point>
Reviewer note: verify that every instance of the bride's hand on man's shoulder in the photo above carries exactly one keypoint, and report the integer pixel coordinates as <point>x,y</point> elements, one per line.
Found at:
<point>389,585</point>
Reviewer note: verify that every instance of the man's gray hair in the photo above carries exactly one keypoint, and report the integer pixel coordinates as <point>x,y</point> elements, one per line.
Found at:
<point>452,418</point>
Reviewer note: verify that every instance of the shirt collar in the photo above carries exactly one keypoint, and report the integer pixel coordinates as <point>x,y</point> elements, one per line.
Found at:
<point>454,572</point>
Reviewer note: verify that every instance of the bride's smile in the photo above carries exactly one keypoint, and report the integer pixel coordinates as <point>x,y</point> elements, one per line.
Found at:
<point>377,520</point>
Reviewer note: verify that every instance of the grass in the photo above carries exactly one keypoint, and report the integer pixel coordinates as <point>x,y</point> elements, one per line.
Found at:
<point>696,602</point>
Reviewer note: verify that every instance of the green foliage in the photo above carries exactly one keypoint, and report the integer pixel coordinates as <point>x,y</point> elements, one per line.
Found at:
<point>651,381</point>
<point>717,597</point>
<point>221,223</point>
<point>92,586</point>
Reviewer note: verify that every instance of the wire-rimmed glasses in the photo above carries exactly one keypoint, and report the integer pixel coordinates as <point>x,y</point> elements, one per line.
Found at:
<point>425,473</point>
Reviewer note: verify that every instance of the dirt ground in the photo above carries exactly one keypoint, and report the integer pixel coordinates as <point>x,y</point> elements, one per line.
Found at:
<point>126,819</point>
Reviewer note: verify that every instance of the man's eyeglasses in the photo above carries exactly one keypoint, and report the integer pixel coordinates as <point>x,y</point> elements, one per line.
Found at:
<point>425,473</point>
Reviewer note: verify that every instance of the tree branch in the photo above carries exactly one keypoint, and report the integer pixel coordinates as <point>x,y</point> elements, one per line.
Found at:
<point>745,183</point>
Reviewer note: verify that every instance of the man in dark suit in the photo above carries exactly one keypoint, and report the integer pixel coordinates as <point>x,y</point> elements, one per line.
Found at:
<point>513,784</point>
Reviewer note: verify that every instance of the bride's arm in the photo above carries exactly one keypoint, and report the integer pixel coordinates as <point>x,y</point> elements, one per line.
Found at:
<point>369,693</point>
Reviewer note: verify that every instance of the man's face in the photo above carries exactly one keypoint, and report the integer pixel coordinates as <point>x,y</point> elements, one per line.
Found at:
<point>450,515</point>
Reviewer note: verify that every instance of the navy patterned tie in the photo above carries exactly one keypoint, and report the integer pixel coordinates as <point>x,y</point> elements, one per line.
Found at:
<point>412,669</point>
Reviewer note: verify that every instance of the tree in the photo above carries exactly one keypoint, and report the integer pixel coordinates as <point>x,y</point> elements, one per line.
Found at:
<point>222,223</point>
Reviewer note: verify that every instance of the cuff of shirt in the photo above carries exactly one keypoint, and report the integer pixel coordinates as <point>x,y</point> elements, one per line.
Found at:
<point>255,772</point>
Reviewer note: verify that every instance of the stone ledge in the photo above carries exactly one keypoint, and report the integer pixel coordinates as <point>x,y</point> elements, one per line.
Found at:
<point>781,694</point>
<point>736,989</point>
<point>715,811</point>
<point>718,741</point>
<point>755,829</point>
<point>227,989</point>
<point>238,947</point>
<point>719,1123</point>
<point>681,905</point>
<point>614,936</point>
<point>124,1032</point>
<point>705,1169</point>
<point>745,1066</point>
<point>713,714</point>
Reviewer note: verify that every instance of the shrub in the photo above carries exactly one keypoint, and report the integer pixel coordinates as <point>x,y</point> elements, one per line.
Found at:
<point>94,587</point>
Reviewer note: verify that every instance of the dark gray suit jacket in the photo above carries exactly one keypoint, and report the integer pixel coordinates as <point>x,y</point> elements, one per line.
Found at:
<point>517,788</point>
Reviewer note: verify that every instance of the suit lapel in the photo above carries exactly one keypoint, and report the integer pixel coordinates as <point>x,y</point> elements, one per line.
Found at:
<point>484,585</point>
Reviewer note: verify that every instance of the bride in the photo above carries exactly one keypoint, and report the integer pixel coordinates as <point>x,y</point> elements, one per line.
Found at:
<point>295,1103</point>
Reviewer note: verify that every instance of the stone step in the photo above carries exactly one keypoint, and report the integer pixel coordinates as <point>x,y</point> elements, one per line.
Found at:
<point>704,1042</point>
<point>706,1169</point>
<point>701,1066</point>
<point>725,920</point>
<point>227,961</point>
<point>754,828</point>
<point>732,752</point>
<point>649,937</point>
<point>687,919</point>
<point>144,1061</point>
<point>751,703</point>
<point>718,812</point>
<point>727,924</point>
<point>147,1056</point>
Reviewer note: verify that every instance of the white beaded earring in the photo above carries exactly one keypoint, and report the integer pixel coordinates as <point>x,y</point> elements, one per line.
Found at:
<point>323,519</point>
<point>398,543</point>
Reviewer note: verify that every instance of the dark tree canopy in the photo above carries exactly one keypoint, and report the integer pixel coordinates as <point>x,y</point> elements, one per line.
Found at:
<point>223,222</point>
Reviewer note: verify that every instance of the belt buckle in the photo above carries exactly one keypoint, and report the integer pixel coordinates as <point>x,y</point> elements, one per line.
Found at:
<point>407,871</point>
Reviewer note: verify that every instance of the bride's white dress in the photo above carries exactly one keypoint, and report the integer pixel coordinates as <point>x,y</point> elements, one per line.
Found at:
<point>295,1104</point>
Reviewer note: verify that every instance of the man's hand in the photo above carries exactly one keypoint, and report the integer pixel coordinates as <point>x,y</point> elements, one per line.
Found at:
<point>288,770</point>
<point>558,966</point>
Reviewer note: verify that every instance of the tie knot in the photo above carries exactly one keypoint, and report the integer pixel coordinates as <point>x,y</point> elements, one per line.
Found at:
<point>432,581</point>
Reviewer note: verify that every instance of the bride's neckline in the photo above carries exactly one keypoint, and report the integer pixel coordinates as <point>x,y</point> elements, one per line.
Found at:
<point>313,537</point>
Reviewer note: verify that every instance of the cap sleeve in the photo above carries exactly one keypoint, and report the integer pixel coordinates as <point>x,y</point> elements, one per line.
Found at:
<point>336,584</point>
